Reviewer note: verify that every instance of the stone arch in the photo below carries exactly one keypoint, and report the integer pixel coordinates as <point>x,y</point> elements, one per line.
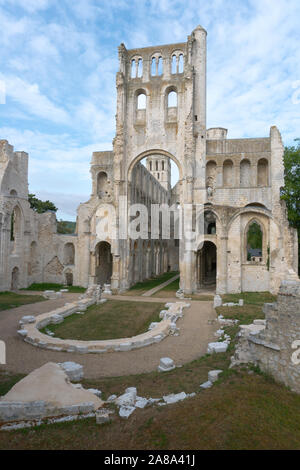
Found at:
<point>69,253</point>
<point>206,264</point>
<point>16,227</point>
<point>211,170</point>
<point>103,262</point>
<point>33,265</point>
<point>245,173</point>
<point>69,278</point>
<point>148,153</point>
<point>102,178</point>
<point>15,274</point>
<point>257,255</point>
<point>228,173</point>
<point>263,172</point>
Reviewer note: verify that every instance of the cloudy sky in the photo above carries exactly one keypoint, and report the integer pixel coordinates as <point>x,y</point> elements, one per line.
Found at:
<point>59,59</point>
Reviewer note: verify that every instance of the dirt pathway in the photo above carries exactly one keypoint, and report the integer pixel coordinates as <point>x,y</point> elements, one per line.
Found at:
<point>196,331</point>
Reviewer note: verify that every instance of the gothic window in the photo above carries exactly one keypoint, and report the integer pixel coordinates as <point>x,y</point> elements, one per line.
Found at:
<point>254,245</point>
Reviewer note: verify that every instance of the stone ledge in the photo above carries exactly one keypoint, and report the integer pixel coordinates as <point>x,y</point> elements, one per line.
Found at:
<point>34,337</point>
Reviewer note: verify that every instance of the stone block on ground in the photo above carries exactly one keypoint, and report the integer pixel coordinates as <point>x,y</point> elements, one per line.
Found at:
<point>217,301</point>
<point>166,364</point>
<point>217,347</point>
<point>206,385</point>
<point>73,370</point>
<point>213,375</point>
<point>174,397</point>
<point>126,411</point>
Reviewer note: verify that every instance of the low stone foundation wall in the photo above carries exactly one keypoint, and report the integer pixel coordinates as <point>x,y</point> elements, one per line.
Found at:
<point>274,344</point>
<point>31,334</point>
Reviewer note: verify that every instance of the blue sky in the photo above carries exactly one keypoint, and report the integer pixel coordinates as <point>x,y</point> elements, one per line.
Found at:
<point>59,59</point>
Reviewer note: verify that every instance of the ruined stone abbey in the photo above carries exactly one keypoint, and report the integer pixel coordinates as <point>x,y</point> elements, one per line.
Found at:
<point>161,117</point>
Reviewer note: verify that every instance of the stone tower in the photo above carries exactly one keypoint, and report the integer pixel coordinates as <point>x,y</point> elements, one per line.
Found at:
<point>160,167</point>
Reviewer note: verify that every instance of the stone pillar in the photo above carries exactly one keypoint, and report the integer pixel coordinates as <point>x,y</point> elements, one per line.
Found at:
<point>221,287</point>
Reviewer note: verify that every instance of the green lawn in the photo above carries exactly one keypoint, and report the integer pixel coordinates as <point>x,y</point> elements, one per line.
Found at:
<point>142,287</point>
<point>245,409</point>
<point>12,300</point>
<point>56,287</point>
<point>114,319</point>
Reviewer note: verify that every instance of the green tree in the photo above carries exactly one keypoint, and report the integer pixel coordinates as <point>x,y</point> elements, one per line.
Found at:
<point>291,191</point>
<point>64,226</point>
<point>40,206</point>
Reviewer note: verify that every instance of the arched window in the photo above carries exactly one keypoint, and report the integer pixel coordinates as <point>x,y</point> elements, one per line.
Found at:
<point>141,101</point>
<point>136,67</point>
<point>228,173</point>
<point>162,165</point>
<point>211,168</point>
<point>133,68</point>
<point>15,227</point>
<point>245,173</point>
<point>156,165</point>
<point>262,172</point>
<point>254,244</point>
<point>140,68</point>
<point>180,64</point>
<point>156,65</point>
<point>174,64</point>
<point>101,183</point>
<point>150,166</point>
<point>177,65</point>
<point>172,99</point>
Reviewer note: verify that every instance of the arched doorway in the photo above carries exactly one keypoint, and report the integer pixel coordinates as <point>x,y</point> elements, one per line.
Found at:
<point>207,265</point>
<point>103,263</point>
<point>15,279</point>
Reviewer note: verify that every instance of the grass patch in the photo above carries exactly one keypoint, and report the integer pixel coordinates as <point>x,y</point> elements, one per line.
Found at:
<point>142,287</point>
<point>253,298</point>
<point>7,381</point>
<point>56,287</point>
<point>241,412</point>
<point>112,320</point>
<point>12,300</point>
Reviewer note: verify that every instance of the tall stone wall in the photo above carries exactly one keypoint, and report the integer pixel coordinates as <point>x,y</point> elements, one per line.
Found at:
<point>275,345</point>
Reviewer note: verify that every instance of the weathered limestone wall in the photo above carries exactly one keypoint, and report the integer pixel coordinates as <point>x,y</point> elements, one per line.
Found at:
<point>275,346</point>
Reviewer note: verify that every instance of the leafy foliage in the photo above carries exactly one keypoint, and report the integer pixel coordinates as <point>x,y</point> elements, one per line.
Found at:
<point>64,226</point>
<point>40,206</point>
<point>291,191</point>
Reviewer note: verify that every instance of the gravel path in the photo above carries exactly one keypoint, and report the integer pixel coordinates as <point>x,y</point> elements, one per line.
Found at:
<point>196,331</point>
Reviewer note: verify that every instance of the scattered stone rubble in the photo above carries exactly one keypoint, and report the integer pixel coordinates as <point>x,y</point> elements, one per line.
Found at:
<point>218,302</point>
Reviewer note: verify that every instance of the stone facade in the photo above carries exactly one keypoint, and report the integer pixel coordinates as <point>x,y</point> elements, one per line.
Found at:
<point>161,116</point>
<point>31,250</point>
<point>274,343</point>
